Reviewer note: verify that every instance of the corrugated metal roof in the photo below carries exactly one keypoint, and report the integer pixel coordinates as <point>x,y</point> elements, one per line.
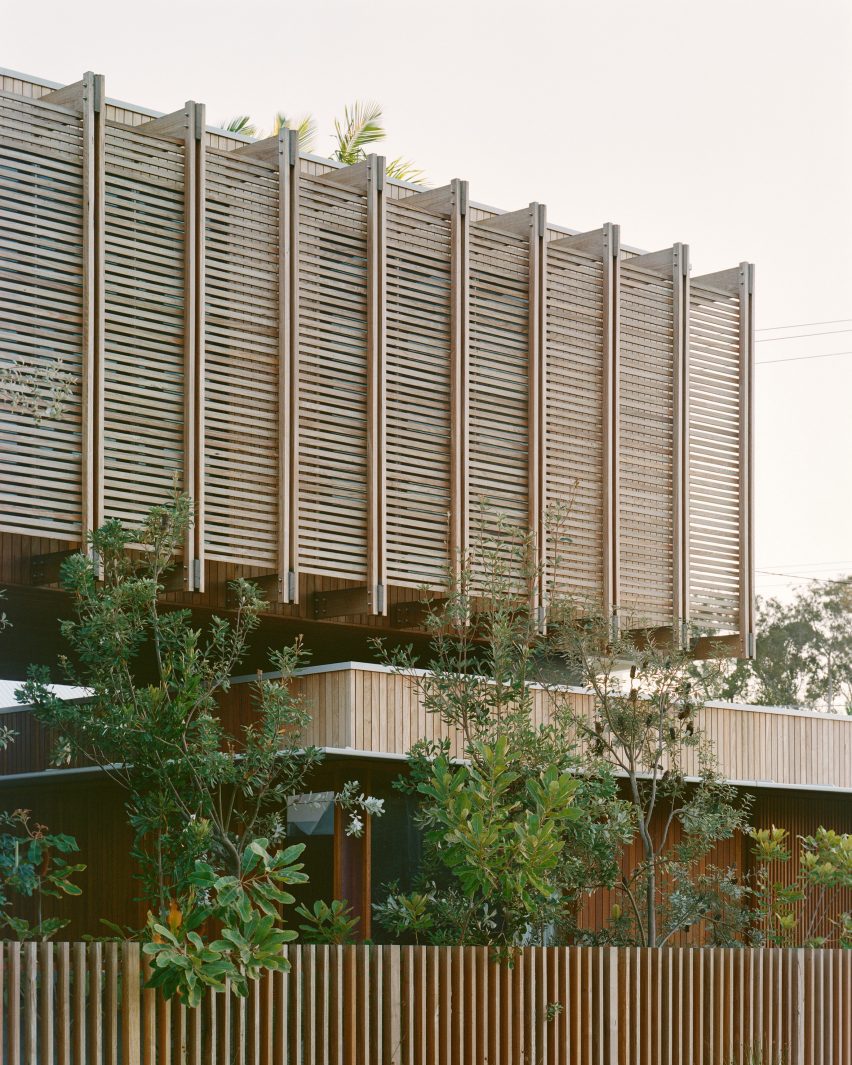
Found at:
<point>9,687</point>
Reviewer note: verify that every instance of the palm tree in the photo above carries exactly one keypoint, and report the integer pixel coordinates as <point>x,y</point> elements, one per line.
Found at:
<point>360,127</point>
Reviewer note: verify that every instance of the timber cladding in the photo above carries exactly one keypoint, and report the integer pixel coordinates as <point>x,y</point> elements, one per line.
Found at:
<point>341,370</point>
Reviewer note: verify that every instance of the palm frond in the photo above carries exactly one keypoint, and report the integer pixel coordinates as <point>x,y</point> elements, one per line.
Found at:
<point>404,170</point>
<point>240,124</point>
<point>306,127</point>
<point>360,126</point>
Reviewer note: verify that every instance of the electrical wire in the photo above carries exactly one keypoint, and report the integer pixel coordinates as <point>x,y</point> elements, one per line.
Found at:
<point>802,577</point>
<point>801,325</point>
<point>801,336</point>
<point>800,358</point>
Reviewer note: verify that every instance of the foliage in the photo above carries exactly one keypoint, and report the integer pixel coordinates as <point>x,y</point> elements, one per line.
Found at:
<point>37,388</point>
<point>646,721</point>
<point>325,922</point>
<point>804,652</point>
<point>200,795</point>
<point>32,866</point>
<point>245,907</point>
<point>513,837</point>
<point>824,873</point>
<point>358,129</point>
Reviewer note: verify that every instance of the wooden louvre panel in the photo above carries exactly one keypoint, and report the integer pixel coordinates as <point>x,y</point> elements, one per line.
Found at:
<point>499,395</point>
<point>646,431</point>
<point>418,304</point>
<point>41,314</point>
<point>241,360</point>
<point>333,460</point>
<point>143,363</point>
<point>576,338</point>
<point>715,383</point>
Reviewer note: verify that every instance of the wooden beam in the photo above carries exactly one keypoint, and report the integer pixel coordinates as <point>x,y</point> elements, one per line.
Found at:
<point>343,602</point>
<point>537,404</point>
<point>262,151</point>
<point>376,385</point>
<point>459,539</point>
<point>611,255</point>
<point>726,282</point>
<point>175,126</point>
<point>654,262</point>
<point>287,161</point>
<point>680,439</point>
<point>433,201</point>
<point>517,223</point>
<point>589,243</point>
<point>92,410</point>
<point>46,569</point>
<point>746,343</point>
<point>71,96</point>
<point>355,177</point>
<point>413,615</point>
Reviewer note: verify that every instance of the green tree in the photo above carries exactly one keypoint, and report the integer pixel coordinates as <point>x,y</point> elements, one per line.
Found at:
<point>804,652</point>
<point>204,801</point>
<point>359,127</point>
<point>513,836</point>
<point>646,720</point>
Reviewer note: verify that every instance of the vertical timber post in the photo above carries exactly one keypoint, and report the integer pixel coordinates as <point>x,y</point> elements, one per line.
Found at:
<point>746,294</point>
<point>93,297</point>
<point>459,376</point>
<point>537,410</point>
<point>195,474</point>
<point>376,369</point>
<point>611,280</point>
<point>680,443</point>
<point>288,367</point>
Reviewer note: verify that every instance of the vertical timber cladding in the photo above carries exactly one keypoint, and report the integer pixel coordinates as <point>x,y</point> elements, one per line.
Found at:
<point>576,415</point>
<point>418,391</point>
<point>333,380</point>
<point>499,381</point>
<point>649,419</point>
<point>241,358</point>
<point>719,518</point>
<point>44,317</point>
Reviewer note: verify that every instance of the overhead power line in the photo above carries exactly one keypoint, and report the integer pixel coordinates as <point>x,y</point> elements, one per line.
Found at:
<point>799,358</point>
<point>801,325</point>
<point>802,577</point>
<point>801,336</point>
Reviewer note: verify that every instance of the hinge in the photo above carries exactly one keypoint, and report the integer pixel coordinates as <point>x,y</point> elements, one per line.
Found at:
<point>196,575</point>
<point>292,586</point>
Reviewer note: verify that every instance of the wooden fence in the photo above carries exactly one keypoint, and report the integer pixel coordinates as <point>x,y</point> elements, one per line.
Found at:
<point>69,1004</point>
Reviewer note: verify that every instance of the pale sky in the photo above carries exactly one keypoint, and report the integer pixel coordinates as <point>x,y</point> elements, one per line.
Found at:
<point>727,125</point>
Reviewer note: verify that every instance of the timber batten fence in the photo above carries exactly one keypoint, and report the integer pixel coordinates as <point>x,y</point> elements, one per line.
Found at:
<point>69,1004</point>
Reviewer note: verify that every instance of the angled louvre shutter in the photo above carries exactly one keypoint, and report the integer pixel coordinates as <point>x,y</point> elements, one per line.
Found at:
<point>575,420</point>
<point>714,458</point>
<point>241,361</point>
<point>41,311</point>
<point>499,390</point>
<point>646,432</point>
<point>144,330</point>
<point>332,381</point>
<point>418,396</point>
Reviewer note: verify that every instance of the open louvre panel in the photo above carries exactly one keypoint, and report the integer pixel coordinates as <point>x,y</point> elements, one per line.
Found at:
<point>417,429</point>
<point>241,341</point>
<point>499,393</point>
<point>332,381</point>
<point>143,359</point>
<point>714,459</point>
<point>646,434</point>
<point>575,443</point>
<point>41,314</point>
